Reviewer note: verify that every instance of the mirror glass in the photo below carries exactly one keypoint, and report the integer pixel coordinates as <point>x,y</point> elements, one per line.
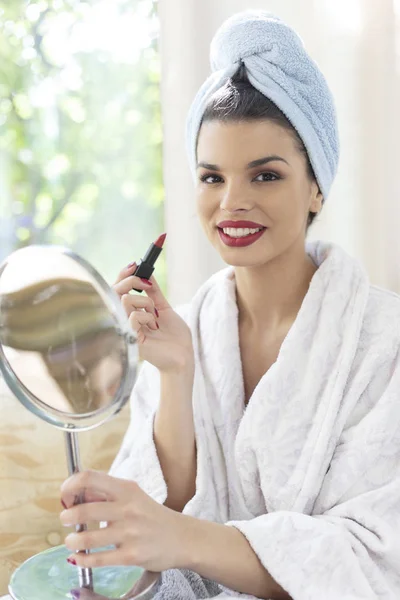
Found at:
<point>66,348</point>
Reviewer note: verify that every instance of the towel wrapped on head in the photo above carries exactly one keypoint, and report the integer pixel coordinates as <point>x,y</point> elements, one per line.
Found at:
<point>278,66</point>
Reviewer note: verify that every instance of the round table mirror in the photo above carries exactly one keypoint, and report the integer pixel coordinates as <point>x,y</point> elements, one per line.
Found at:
<point>68,355</point>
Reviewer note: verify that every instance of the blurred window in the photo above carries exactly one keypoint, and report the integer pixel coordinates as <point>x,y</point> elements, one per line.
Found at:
<point>80,128</point>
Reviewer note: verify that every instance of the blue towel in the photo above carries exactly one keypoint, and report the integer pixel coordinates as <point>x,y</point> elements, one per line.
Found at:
<point>279,67</point>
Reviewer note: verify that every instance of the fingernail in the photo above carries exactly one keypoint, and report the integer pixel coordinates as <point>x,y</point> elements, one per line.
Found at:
<point>63,503</point>
<point>156,311</point>
<point>132,264</point>
<point>71,561</point>
<point>146,281</point>
<point>75,594</point>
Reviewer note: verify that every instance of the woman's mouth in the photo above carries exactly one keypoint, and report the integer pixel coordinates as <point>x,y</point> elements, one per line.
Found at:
<point>238,237</point>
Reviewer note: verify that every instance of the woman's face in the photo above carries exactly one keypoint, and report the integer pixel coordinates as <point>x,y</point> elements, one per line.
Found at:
<point>251,175</point>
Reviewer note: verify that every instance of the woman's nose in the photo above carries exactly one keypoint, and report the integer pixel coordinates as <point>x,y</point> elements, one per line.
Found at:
<point>235,198</point>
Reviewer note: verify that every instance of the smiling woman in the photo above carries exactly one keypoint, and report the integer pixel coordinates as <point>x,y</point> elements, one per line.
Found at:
<point>262,455</point>
<point>263,450</point>
<point>238,101</point>
<point>280,193</point>
<point>261,171</point>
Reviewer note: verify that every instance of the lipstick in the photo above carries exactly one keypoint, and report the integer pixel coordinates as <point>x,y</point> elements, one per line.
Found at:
<point>145,266</point>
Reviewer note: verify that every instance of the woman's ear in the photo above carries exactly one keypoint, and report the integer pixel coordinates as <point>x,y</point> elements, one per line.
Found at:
<point>317,198</point>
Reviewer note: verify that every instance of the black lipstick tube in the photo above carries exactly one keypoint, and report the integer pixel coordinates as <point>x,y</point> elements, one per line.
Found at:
<point>145,266</point>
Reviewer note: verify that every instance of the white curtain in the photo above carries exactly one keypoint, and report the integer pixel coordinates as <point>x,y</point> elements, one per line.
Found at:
<point>356,43</point>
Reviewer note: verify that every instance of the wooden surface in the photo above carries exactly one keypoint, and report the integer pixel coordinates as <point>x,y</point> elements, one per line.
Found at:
<point>32,468</point>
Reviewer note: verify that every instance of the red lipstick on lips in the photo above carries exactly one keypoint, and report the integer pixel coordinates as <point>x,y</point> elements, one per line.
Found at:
<point>239,242</point>
<point>145,266</point>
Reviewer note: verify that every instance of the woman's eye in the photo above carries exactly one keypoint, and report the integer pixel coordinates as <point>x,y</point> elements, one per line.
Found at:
<point>210,179</point>
<point>268,176</point>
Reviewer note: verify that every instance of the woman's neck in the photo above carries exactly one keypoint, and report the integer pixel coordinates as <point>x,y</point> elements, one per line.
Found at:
<point>270,296</point>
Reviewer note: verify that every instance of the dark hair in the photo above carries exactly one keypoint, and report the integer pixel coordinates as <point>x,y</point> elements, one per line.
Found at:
<point>238,100</point>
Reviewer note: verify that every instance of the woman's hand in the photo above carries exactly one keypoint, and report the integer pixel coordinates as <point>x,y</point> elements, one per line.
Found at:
<point>164,338</point>
<point>144,533</point>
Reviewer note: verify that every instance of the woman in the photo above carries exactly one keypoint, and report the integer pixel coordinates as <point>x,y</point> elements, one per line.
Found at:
<point>263,451</point>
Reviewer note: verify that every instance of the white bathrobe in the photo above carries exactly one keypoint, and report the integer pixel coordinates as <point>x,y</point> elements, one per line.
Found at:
<point>309,471</point>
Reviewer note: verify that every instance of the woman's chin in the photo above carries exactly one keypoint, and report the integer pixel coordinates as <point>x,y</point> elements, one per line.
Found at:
<point>245,257</point>
<point>244,264</point>
<point>243,261</point>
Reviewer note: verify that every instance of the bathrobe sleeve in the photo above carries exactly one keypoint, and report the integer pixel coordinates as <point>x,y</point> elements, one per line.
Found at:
<point>349,547</point>
<point>137,459</point>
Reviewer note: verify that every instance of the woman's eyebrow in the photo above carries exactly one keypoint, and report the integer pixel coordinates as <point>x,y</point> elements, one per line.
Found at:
<point>208,166</point>
<point>254,163</point>
<point>266,159</point>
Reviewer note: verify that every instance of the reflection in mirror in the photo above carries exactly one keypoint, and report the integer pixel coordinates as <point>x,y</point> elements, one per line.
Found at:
<point>61,341</point>
<point>66,348</point>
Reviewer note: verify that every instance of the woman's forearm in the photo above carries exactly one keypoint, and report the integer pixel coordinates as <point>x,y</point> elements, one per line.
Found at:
<point>222,553</point>
<point>174,437</point>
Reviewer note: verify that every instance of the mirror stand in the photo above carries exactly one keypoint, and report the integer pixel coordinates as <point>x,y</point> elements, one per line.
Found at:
<point>74,466</point>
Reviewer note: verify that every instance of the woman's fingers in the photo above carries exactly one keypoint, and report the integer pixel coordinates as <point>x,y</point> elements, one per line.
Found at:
<point>89,496</point>
<point>155,293</point>
<point>95,483</point>
<point>127,282</point>
<point>131,282</point>
<point>106,558</point>
<point>139,318</point>
<point>135,302</point>
<point>98,538</point>
<point>125,272</point>
<point>91,512</point>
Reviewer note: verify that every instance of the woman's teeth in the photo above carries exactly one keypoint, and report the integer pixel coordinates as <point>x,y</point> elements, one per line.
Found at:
<point>239,232</point>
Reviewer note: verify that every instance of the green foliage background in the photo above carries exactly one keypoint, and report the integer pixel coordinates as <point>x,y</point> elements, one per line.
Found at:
<point>80,128</point>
